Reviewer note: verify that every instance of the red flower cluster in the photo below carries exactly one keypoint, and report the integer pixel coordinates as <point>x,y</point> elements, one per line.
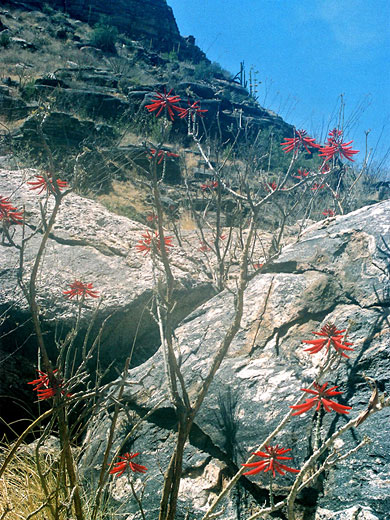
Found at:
<point>328,213</point>
<point>332,337</point>
<point>294,144</point>
<point>8,213</point>
<point>165,102</point>
<point>126,462</point>
<point>161,154</point>
<point>271,186</point>
<point>257,266</point>
<point>78,288</point>
<point>301,174</point>
<point>317,186</point>
<point>193,110</point>
<point>321,394</point>
<point>209,186</point>
<point>145,245</point>
<point>46,184</point>
<point>43,388</point>
<point>335,147</point>
<point>271,457</point>
<point>204,247</point>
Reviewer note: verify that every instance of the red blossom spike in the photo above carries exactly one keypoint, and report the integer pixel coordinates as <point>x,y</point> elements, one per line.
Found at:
<point>193,110</point>
<point>145,245</point>
<point>165,102</point>
<point>328,213</point>
<point>301,174</point>
<point>47,389</point>
<point>271,456</point>
<point>321,394</point>
<point>78,288</point>
<point>334,147</point>
<point>127,462</point>
<point>300,139</point>
<point>333,337</point>
<point>8,213</point>
<point>47,184</point>
<point>161,154</point>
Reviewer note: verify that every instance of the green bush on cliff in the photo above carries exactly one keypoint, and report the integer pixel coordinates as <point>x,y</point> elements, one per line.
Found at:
<point>104,37</point>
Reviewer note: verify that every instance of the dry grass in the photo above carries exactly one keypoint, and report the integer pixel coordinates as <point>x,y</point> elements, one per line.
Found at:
<point>21,491</point>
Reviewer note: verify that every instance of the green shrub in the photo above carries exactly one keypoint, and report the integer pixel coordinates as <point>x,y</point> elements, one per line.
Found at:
<point>5,39</point>
<point>205,70</point>
<point>104,37</point>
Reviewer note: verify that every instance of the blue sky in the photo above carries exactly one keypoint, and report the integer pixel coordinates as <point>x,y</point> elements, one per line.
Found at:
<point>306,53</point>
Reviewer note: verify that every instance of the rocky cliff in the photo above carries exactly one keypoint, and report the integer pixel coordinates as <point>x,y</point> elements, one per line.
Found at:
<point>149,19</point>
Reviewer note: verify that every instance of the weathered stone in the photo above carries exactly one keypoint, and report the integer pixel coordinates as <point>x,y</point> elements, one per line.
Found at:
<point>63,131</point>
<point>335,273</point>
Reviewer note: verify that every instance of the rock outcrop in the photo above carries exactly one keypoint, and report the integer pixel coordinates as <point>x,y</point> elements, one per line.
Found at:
<point>338,272</point>
<point>93,245</point>
<point>149,19</point>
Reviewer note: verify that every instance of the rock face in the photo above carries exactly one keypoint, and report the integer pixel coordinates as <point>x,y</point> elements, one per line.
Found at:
<point>93,245</point>
<point>152,19</point>
<point>338,273</point>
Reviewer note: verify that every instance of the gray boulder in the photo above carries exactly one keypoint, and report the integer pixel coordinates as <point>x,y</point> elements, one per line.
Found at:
<point>337,273</point>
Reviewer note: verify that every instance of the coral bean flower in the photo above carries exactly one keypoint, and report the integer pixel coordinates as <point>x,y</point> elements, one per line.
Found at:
<point>332,337</point>
<point>43,386</point>
<point>328,213</point>
<point>46,184</point>
<point>145,245</point>
<point>161,154</point>
<point>192,110</point>
<point>126,462</point>
<point>271,186</point>
<point>8,213</point>
<point>207,186</point>
<point>78,288</point>
<point>294,144</point>
<point>317,186</point>
<point>165,102</point>
<point>301,174</point>
<point>335,147</point>
<point>271,456</point>
<point>321,394</point>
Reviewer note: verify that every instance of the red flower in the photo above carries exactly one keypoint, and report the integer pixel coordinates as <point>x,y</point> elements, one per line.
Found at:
<point>78,288</point>
<point>207,186</point>
<point>328,213</point>
<point>126,462</point>
<point>46,184</point>
<point>295,143</point>
<point>43,386</point>
<point>321,394</point>
<point>204,247</point>
<point>192,110</point>
<point>257,266</point>
<point>164,102</point>
<point>271,186</point>
<point>161,154</point>
<point>316,187</point>
<point>325,168</point>
<point>149,240</point>
<point>270,463</point>
<point>332,337</point>
<point>8,213</point>
<point>301,174</point>
<point>335,147</point>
